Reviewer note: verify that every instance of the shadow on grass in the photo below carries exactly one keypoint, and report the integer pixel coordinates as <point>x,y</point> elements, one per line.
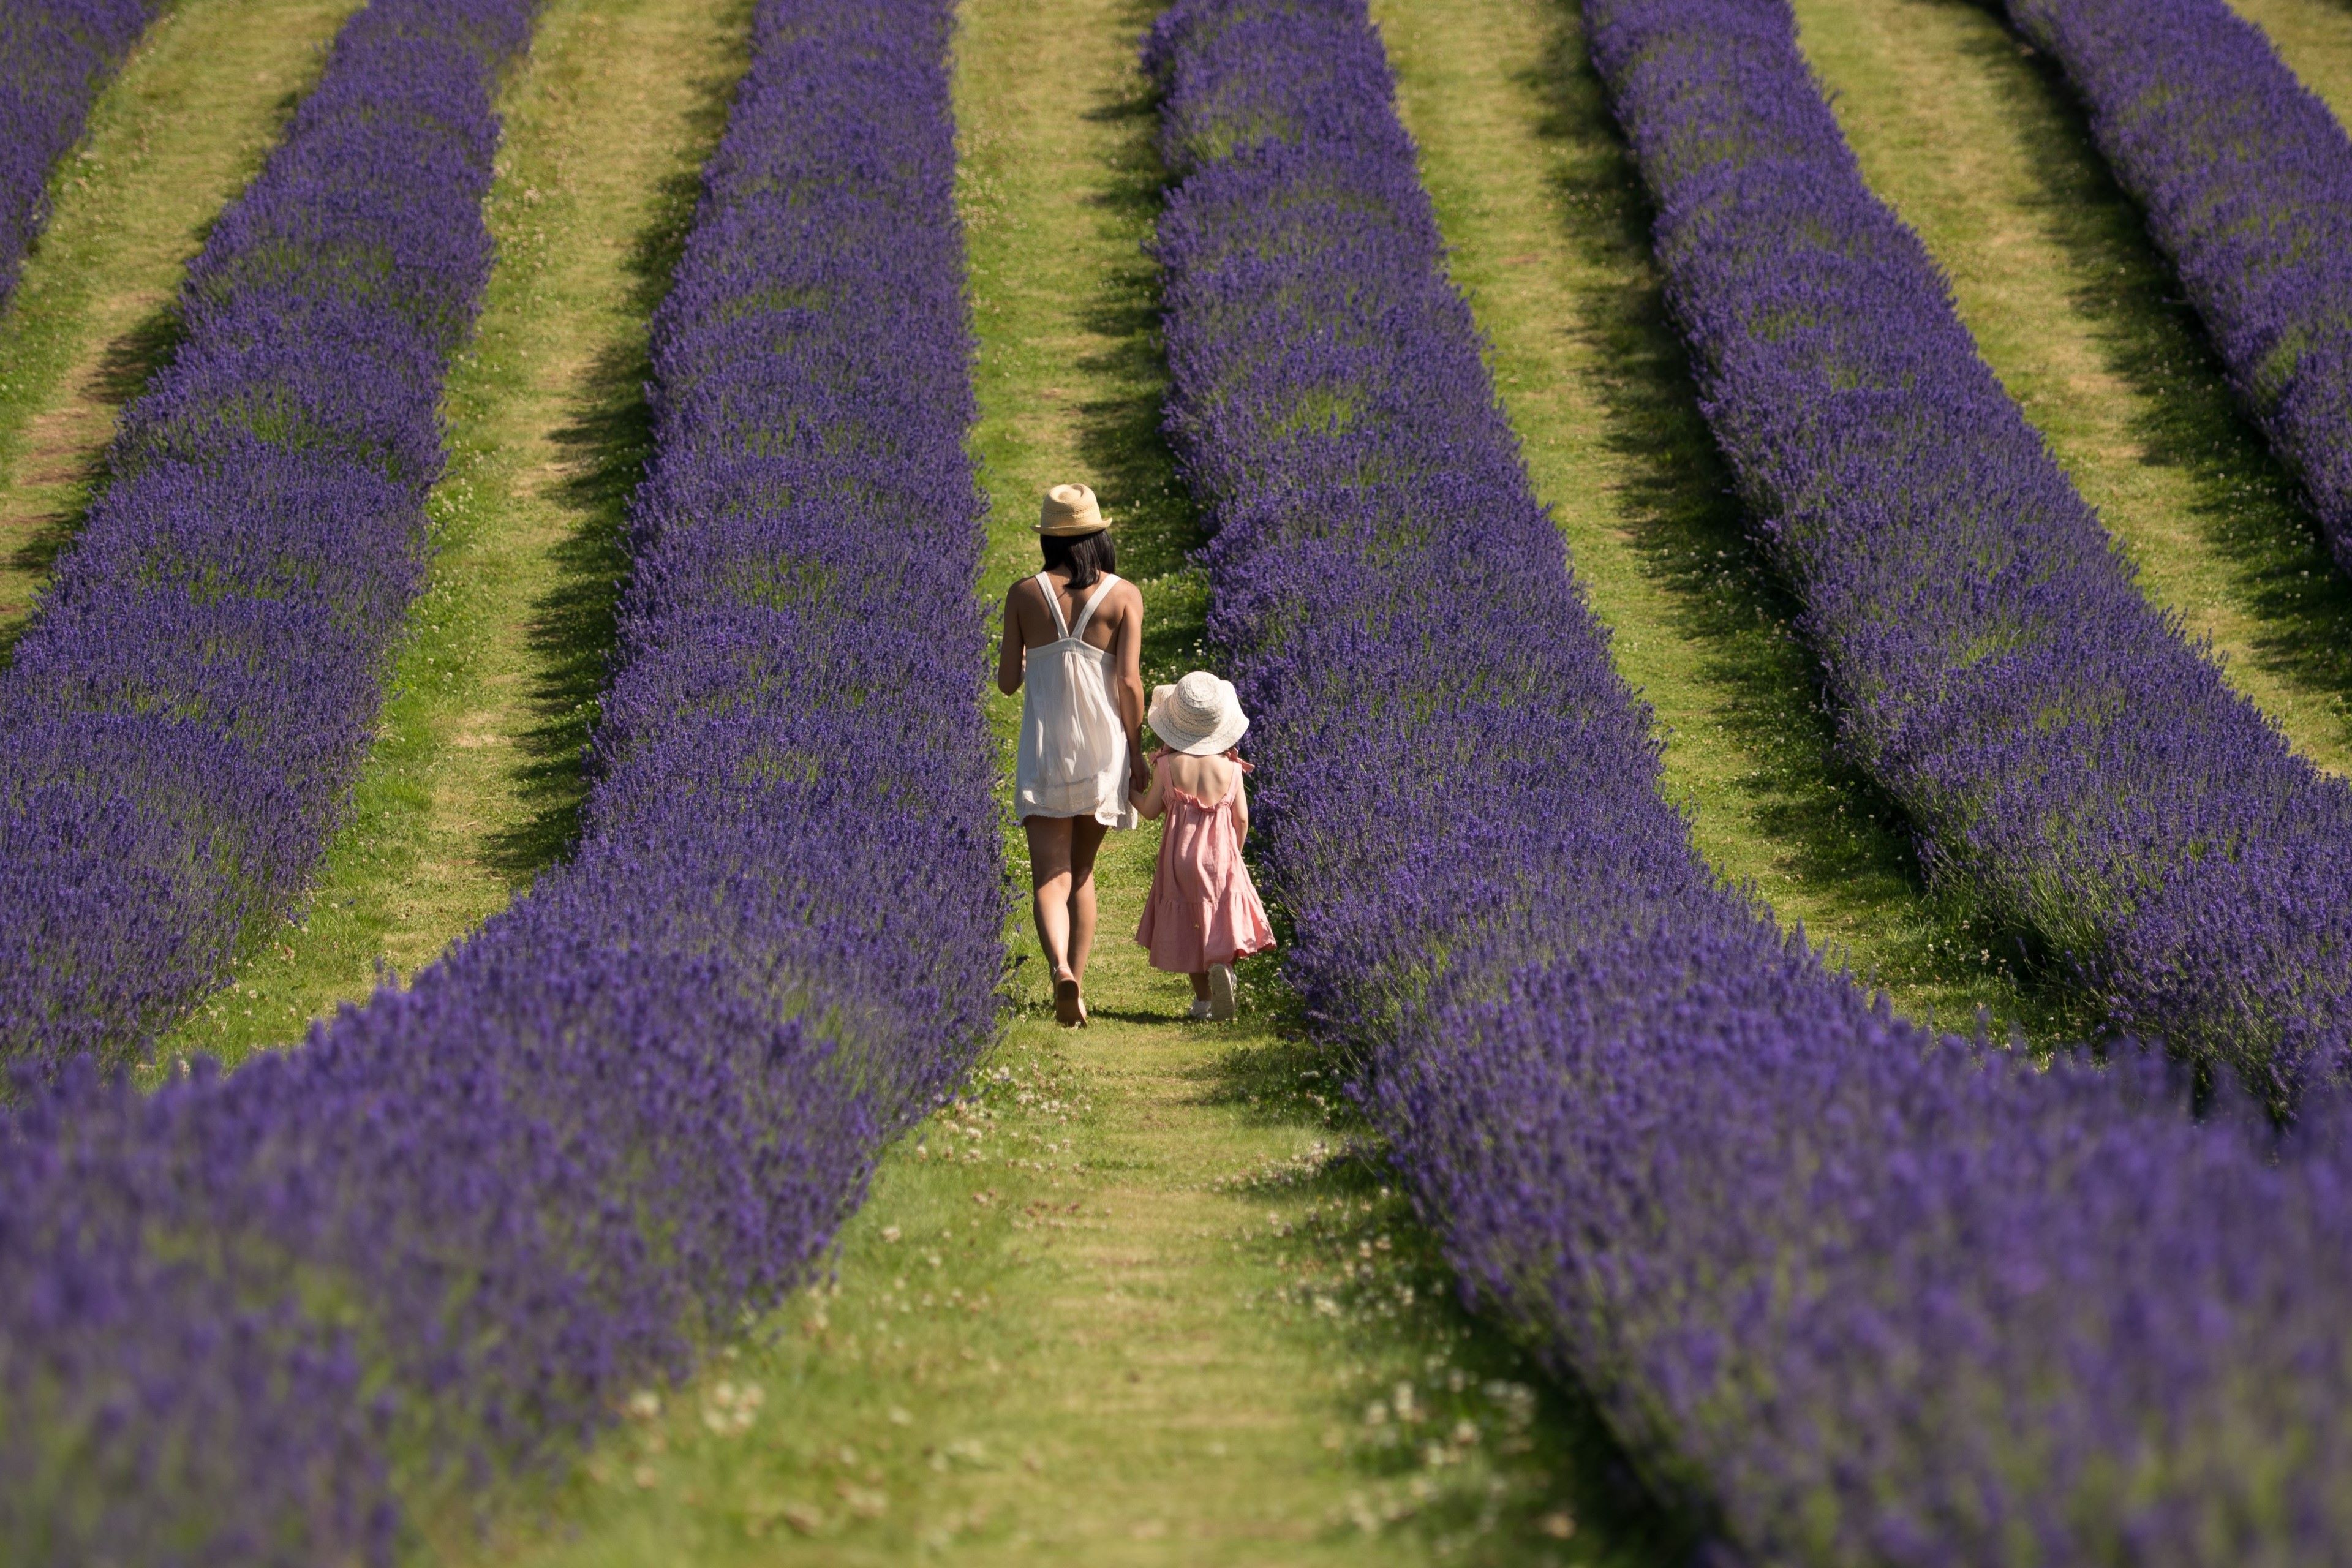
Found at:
<point>1286,1080</point>
<point>608,438</point>
<point>1844,837</point>
<point>124,369</point>
<point>2245,501</point>
<point>1363,1255</point>
<point>606,441</point>
<point>1119,435</point>
<point>1459,1434</point>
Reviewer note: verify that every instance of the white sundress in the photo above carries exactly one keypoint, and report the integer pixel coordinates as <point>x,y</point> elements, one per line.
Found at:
<point>1073,758</point>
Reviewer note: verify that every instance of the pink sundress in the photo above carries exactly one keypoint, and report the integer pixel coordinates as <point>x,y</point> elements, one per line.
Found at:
<point>1203,909</point>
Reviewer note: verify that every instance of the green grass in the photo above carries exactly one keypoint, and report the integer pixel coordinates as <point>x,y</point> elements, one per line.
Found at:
<point>1550,234</point>
<point>1143,1297</point>
<point>1977,142</point>
<point>179,132</point>
<point>473,784</point>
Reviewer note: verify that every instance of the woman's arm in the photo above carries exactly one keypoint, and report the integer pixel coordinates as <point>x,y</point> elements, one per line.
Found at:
<point>1128,650</point>
<point>1011,656</point>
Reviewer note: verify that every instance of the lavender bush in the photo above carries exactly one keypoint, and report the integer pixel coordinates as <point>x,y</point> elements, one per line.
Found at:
<point>2246,180</point>
<point>1860,1294</point>
<point>241,1318</point>
<point>54,56</point>
<point>183,720</point>
<point>2065,755</point>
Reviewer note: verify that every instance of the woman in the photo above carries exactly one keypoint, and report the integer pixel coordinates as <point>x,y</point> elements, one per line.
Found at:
<point>1074,649</point>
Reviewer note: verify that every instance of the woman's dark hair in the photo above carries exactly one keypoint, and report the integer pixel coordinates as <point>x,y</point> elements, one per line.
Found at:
<point>1088,556</point>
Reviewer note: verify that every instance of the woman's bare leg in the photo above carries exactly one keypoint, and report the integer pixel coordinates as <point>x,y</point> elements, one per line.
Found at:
<point>1085,837</point>
<point>1049,871</point>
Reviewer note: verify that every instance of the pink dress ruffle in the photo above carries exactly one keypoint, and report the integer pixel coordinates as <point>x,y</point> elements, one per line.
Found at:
<point>1203,909</point>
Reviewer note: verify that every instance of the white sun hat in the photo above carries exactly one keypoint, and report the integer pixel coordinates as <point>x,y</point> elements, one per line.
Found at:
<point>1200,715</point>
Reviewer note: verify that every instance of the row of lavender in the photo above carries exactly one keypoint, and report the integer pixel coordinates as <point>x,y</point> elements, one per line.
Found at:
<point>1863,1294</point>
<point>245,1319</point>
<point>2246,179</point>
<point>181,722</point>
<point>2064,753</point>
<point>55,54</point>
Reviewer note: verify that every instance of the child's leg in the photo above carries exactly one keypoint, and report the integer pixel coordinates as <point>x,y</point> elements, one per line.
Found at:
<point>1224,998</point>
<point>1049,872</point>
<point>1200,985</point>
<point>1085,837</point>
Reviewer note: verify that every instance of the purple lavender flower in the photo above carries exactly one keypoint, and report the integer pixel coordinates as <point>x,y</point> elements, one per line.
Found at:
<point>2068,758</point>
<point>242,1319</point>
<point>1856,1293</point>
<point>183,720</point>
<point>54,56</point>
<point>2246,179</point>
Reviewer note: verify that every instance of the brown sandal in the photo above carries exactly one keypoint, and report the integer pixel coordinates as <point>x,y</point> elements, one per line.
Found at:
<point>1068,1011</point>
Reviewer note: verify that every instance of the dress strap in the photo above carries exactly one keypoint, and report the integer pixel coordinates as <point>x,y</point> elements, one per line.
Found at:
<point>1088,613</point>
<point>1053,604</point>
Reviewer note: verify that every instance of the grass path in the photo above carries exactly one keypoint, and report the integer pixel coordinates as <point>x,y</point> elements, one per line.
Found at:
<point>473,782</point>
<point>178,133</point>
<point>1135,1300</point>
<point>1550,236</point>
<point>1978,144</point>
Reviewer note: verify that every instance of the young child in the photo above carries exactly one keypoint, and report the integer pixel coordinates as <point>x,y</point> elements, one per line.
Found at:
<point>1204,912</point>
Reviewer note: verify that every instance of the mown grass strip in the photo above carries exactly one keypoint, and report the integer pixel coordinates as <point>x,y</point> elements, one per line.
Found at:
<point>1978,145</point>
<point>473,782</point>
<point>1132,1301</point>
<point>1550,233</point>
<point>182,128</point>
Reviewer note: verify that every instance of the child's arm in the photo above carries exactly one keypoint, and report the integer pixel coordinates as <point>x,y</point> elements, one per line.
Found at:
<point>1154,800</point>
<point>1242,771</point>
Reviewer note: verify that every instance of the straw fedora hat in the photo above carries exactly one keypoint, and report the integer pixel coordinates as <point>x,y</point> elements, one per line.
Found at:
<point>1200,715</point>
<point>1070,511</point>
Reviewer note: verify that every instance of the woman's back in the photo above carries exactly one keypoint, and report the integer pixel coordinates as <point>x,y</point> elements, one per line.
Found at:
<point>1033,610</point>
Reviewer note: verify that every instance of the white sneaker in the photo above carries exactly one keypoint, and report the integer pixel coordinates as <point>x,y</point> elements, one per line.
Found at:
<point>1221,1001</point>
<point>1200,1014</point>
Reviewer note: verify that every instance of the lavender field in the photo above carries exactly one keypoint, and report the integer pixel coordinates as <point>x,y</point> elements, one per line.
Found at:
<point>1785,559</point>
